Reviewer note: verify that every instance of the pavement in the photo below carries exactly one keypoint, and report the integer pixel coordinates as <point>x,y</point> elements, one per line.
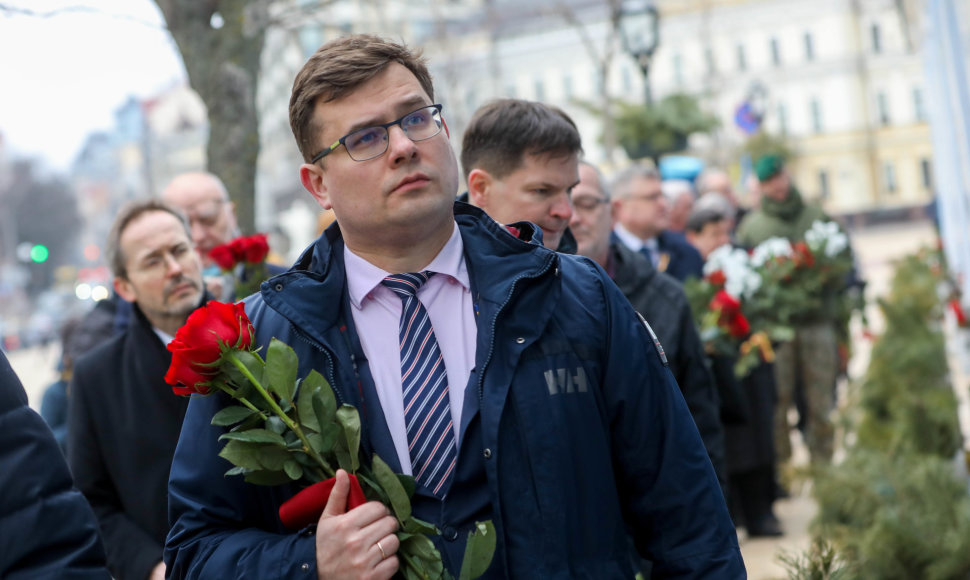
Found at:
<point>876,247</point>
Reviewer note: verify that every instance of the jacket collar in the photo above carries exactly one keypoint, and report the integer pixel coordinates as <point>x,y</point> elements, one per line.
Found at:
<point>630,269</point>
<point>312,294</point>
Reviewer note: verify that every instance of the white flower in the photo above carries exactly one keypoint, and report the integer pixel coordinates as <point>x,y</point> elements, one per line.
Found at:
<point>826,237</point>
<point>768,249</point>
<point>740,280</point>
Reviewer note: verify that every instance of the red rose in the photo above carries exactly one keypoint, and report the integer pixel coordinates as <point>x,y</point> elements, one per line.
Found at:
<point>255,249</point>
<point>803,255</point>
<point>729,314</point>
<point>201,341</point>
<point>305,507</point>
<point>223,256</point>
<point>717,278</point>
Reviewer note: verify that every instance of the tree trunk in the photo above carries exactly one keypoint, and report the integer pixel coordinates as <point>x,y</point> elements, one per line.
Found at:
<point>222,63</point>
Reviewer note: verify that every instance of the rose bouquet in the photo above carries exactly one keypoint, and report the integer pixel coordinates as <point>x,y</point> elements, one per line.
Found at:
<point>250,253</point>
<point>281,429</point>
<point>717,301</point>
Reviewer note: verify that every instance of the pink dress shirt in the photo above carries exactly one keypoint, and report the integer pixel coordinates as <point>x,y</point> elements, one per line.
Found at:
<point>377,312</point>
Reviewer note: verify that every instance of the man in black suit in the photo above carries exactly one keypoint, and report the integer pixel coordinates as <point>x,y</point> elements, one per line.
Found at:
<point>124,421</point>
<point>643,218</point>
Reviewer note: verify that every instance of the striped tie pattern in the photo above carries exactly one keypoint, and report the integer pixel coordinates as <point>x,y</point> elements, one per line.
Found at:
<point>427,407</point>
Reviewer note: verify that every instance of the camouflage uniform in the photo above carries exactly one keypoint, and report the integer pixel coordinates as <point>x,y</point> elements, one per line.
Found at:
<point>810,361</point>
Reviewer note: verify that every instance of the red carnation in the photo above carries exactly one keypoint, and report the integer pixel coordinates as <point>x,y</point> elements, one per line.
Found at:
<point>802,255</point>
<point>200,343</point>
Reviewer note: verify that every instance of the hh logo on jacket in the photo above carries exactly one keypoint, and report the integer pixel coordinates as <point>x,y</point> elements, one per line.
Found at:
<point>563,380</point>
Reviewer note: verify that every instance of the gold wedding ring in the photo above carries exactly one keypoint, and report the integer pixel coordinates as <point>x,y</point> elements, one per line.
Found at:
<point>381,548</point>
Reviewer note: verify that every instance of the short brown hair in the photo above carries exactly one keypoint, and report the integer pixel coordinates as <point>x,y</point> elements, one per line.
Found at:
<point>335,70</point>
<point>503,132</point>
<point>127,214</point>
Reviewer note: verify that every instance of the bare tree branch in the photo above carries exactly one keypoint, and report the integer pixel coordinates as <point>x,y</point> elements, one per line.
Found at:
<point>10,11</point>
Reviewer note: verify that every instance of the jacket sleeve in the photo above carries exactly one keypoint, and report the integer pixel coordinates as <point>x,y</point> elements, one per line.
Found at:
<point>670,495</point>
<point>223,527</point>
<point>132,553</point>
<point>47,530</point>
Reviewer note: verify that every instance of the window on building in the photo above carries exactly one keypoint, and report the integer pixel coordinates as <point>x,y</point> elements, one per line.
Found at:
<point>882,108</point>
<point>823,184</point>
<point>782,119</point>
<point>567,86</point>
<point>816,116</point>
<point>742,59</point>
<point>709,63</point>
<point>926,175</point>
<point>876,38</point>
<point>540,89</point>
<point>678,68</point>
<point>809,47</point>
<point>889,176</point>
<point>775,52</point>
<point>918,109</point>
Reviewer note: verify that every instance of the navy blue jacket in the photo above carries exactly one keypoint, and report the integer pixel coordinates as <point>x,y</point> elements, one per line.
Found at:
<point>47,529</point>
<point>569,448</point>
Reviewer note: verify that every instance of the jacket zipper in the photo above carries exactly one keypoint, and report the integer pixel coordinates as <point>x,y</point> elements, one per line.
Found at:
<point>330,369</point>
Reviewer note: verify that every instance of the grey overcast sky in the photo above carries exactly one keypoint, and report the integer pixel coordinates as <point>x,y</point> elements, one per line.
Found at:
<point>63,75</point>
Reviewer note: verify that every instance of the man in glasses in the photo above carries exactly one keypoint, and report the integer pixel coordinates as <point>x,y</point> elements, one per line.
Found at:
<point>212,217</point>
<point>539,423</point>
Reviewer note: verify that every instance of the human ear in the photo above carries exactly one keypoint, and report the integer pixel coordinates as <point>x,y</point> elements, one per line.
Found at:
<point>479,184</point>
<point>311,175</point>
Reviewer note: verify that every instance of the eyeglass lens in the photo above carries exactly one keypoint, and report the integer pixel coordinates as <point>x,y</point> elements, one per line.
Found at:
<point>370,142</point>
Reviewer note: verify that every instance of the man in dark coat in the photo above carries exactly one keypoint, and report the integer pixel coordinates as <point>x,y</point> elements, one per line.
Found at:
<point>656,296</point>
<point>47,530</point>
<point>642,220</point>
<point>124,421</point>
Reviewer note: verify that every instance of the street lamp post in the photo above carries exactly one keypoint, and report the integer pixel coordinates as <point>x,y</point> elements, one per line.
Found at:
<point>639,30</point>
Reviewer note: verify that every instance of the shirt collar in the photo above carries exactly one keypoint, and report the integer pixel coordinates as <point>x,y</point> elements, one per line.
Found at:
<point>363,277</point>
<point>632,241</point>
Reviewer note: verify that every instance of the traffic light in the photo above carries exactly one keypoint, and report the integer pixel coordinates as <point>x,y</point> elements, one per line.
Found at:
<point>39,253</point>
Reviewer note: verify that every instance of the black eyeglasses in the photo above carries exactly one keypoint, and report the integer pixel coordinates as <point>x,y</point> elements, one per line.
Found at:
<point>371,142</point>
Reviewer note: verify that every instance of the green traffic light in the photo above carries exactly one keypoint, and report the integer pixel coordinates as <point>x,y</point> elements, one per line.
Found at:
<point>39,253</point>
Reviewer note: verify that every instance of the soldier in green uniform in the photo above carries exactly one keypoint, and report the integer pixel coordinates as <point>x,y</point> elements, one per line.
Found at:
<point>809,361</point>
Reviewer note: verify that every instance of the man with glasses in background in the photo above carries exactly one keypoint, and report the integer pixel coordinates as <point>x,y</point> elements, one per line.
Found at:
<point>212,218</point>
<point>560,465</point>
<point>643,217</point>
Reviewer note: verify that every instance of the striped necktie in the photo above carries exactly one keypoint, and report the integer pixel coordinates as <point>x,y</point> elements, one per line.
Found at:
<point>427,407</point>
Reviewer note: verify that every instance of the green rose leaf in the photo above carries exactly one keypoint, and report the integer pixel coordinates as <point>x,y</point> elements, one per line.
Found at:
<point>416,526</point>
<point>396,494</point>
<point>408,482</point>
<point>349,421</point>
<point>238,471</point>
<point>293,469</point>
<point>421,551</point>
<point>241,454</point>
<point>255,436</point>
<point>273,458</point>
<point>231,415</point>
<point>325,406</point>
<point>267,478</point>
<point>281,366</point>
<point>304,405</point>
<point>478,551</point>
<point>276,425</point>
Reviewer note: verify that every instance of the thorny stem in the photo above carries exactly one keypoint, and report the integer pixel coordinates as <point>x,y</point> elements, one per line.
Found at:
<point>307,448</point>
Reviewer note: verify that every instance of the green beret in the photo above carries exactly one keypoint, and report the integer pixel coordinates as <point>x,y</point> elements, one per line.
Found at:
<point>768,166</point>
